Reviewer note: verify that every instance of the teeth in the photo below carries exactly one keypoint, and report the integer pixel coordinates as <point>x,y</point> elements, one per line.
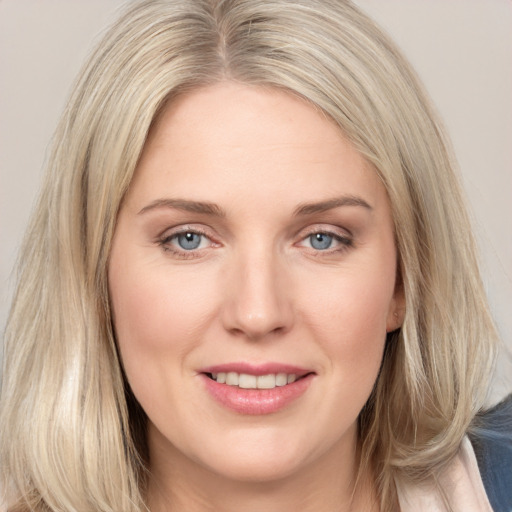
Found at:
<point>281,379</point>
<point>246,381</point>
<point>232,379</point>
<point>266,382</point>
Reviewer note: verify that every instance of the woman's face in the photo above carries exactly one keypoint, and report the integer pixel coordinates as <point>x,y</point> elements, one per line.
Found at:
<point>255,245</point>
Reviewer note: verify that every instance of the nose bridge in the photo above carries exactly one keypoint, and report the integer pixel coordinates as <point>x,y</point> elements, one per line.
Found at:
<point>258,303</point>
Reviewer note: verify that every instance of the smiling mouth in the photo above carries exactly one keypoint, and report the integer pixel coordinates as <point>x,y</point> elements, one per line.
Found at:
<point>256,389</point>
<point>247,381</point>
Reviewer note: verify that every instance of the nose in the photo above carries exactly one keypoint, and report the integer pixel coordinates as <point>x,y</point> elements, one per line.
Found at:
<point>257,301</point>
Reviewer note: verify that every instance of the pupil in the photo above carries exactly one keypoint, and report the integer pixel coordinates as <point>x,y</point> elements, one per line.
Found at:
<point>320,241</point>
<point>189,241</point>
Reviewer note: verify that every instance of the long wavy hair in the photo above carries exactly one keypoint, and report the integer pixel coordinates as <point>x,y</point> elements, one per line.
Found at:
<point>72,436</point>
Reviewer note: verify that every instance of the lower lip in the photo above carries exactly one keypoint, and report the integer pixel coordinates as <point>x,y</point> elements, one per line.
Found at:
<point>257,401</point>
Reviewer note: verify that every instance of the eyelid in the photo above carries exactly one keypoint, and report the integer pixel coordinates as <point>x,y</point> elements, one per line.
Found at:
<point>165,238</point>
<point>343,236</point>
<point>328,229</point>
<point>183,228</point>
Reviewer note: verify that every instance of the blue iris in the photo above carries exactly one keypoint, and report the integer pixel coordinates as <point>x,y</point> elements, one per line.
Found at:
<point>321,241</point>
<point>189,241</point>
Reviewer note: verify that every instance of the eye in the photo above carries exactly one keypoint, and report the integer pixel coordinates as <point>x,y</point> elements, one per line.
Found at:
<point>324,241</point>
<point>185,243</point>
<point>189,241</point>
<point>321,241</point>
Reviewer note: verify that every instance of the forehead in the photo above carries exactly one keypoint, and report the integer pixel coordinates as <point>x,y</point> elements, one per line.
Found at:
<point>231,138</point>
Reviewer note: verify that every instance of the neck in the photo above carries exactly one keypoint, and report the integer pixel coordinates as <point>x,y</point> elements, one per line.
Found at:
<point>328,484</point>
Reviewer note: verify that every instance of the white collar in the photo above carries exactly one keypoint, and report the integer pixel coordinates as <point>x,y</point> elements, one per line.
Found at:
<point>460,481</point>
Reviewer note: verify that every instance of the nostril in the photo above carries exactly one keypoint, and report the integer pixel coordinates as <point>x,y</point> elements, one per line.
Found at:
<point>257,304</point>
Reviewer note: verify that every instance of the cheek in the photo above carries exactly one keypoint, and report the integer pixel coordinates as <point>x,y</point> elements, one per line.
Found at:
<point>153,301</point>
<point>345,314</point>
<point>144,310</point>
<point>353,307</point>
<point>159,316</point>
<point>348,315</point>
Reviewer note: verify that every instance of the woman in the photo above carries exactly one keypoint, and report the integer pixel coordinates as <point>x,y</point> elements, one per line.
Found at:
<point>250,280</point>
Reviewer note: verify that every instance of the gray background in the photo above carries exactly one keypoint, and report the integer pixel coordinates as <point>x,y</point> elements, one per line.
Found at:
<point>462,49</point>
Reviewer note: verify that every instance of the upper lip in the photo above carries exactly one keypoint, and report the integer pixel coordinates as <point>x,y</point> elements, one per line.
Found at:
<point>256,369</point>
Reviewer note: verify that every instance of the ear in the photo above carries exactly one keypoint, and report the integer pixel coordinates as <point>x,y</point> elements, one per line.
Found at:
<point>396,312</point>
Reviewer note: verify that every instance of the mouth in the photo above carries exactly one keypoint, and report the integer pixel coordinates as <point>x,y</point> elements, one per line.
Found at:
<point>256,389</point>
<point>249,381</point>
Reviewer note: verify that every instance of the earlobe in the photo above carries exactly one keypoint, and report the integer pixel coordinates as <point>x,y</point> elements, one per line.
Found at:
<point>395,319</point>
<point>396,313</point>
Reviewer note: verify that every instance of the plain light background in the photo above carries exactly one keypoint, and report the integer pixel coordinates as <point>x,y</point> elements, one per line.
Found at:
<point>462,49</point>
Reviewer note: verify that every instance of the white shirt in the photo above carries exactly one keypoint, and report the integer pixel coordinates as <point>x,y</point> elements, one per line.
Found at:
<point>461,482</point>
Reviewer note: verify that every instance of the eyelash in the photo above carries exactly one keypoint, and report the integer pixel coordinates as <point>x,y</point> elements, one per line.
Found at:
<point>165,243</point>
<point>345,242</point>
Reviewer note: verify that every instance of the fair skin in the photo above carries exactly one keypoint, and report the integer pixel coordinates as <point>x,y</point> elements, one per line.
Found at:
<point>253,237</point>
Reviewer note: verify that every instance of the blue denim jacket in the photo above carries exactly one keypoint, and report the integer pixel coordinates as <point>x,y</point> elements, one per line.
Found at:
<point>491,437</point>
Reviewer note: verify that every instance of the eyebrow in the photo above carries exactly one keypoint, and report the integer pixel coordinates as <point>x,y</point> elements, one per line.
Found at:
<point>330,204</point>
<point>207,208</point>
<point>185,205</point>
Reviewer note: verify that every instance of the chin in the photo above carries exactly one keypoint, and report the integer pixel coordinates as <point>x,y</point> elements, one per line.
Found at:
<point>264,454</point>
<point>250,468</point>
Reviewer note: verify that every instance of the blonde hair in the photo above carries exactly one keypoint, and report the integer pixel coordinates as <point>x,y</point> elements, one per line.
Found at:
<point>71,434</point>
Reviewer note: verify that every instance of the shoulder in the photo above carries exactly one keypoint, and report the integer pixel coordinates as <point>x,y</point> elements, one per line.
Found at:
<point>457,487</point>
<point>491,438</point>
